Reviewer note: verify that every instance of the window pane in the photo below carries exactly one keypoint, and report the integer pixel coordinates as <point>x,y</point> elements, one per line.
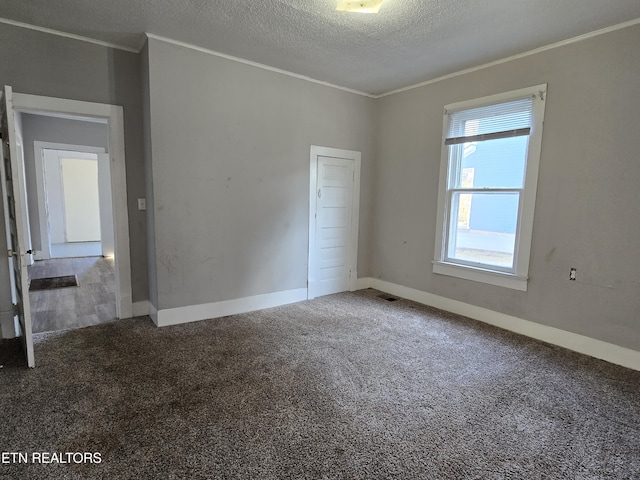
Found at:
<point>483,228</point>
<point>496,163</point>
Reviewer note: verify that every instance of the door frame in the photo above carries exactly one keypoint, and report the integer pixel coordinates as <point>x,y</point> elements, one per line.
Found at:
<point>38,150</point>
<point>318,151</point>
<point>113,114</point>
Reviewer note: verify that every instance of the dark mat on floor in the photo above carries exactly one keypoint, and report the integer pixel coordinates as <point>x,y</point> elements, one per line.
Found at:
<point>49,283</point>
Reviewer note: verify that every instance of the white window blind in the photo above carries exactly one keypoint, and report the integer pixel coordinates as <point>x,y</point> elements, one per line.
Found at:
<point>489,122</point>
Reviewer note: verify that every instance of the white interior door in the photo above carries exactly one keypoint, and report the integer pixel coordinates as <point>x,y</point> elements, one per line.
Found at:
<point>15,224</point>
<point>334,223</point>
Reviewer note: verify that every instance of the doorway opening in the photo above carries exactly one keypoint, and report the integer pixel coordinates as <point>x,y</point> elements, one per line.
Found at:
<point>74,203</point>
<point>113,259</point>
<point>334,206</point>
<point>76,233</point>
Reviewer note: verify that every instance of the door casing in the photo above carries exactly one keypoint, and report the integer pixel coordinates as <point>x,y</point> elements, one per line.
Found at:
<point>38,147</point>
<point>113,115</point>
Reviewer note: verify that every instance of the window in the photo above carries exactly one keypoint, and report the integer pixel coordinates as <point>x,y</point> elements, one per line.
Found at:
<point>487,192</point>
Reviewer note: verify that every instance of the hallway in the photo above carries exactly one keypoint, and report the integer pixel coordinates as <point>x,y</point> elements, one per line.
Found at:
<point>92,302</point>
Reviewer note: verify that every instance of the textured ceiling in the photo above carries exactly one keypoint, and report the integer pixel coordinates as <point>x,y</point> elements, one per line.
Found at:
<point>408,42</point>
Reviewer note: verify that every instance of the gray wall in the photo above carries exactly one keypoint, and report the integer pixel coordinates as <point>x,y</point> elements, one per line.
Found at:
<point>55,130</point>
<point>42,64</point>
<point>587,206</point>
<point>231,173</point>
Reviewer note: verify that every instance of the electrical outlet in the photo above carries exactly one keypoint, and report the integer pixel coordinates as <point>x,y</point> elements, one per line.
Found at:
<point>142,204</point>
<point>572,274</point>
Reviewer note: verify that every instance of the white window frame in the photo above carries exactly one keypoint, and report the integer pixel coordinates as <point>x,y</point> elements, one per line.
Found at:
<point>518,277</point>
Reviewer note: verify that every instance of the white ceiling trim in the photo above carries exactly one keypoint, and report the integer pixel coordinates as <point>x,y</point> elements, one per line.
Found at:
<point>321,82</point>
<point>255,64</point>
<point>551,46</point>
<point>67,35</point>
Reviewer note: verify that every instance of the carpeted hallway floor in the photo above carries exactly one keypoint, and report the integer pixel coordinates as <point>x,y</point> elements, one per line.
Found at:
<point>348,386</point>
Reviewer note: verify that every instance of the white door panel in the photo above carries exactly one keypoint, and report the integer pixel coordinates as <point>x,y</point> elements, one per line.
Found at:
<point>16,225</point>
<point>333,224</point>
<point>339,218</point>
<point>331,254</point>
<point>333,220</point>
<point>332,276</point>
<point>333,236</point>
<point>334,173</point>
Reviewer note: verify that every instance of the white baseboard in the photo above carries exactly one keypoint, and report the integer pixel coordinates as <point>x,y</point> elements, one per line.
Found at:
<point>141,309</point>
<point>572,341</point>
<point>193,313</point>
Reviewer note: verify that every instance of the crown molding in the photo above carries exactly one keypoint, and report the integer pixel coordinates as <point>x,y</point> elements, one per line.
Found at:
<point>255,64</point>
<point>545,48</point>
<point>551,46</point>
<point>68,35</point>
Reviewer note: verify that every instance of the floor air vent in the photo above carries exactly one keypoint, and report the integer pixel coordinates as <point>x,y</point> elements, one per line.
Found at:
<point>388,298</point>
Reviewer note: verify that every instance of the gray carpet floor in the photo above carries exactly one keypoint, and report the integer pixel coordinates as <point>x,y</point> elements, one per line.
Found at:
<point>347,386</point>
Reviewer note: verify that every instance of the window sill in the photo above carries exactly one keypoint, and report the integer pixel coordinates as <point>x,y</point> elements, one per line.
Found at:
<point>507,280</point>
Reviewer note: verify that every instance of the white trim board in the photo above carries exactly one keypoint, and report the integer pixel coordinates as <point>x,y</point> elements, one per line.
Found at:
<point>68,35</point>
<point>568,41</point>
<point>528,53</point>
<point>571,341</point>
<point>256,64</point>
<point>194,313</point>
